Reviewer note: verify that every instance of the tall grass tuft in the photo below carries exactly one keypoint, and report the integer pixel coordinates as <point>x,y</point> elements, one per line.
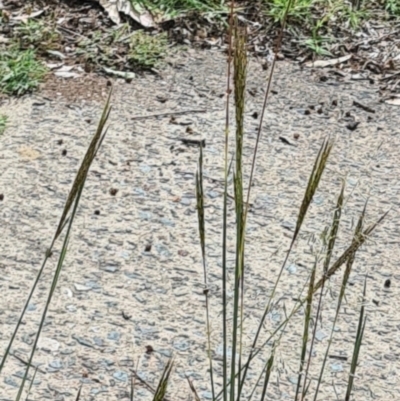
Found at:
<point>235,368</point>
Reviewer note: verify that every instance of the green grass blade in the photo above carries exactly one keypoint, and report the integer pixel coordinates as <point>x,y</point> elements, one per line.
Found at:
<point>86,163</point>
<point>270,364</point>
<point>133,382</point>
<point>357,344</point>
<point>24,309</point>
<point>161,390</point>
<point>30,386</point>
<point>200,209</point>
<point>307,320</point>
<point>78,396</point>
<point>51,292</point>
<point>201,219</point>
<point>193,389</point>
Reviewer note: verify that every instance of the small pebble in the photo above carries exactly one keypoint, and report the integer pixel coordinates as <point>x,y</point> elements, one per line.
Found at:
<point>111,269</point>
<point>121,376</point>
<point>114,336</point>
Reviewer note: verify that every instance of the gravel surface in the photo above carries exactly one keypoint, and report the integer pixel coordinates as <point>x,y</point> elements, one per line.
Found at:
<point>133,274</point>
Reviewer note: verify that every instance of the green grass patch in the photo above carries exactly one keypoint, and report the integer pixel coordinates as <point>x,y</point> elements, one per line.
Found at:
<point>3,123</point>
<point>147,51</point>
<point>137,50</point>
<point>40,35</point>
<point>317,19</point>
<point>172,8</point>
<point>298,10</point>
<point>20,71</point>
<point>393,7</point>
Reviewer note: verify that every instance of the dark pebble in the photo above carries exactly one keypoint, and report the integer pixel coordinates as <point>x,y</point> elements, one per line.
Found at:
<point>353,125</point>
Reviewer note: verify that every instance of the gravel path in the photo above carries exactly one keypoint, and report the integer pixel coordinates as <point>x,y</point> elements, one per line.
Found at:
<point>133,274</point>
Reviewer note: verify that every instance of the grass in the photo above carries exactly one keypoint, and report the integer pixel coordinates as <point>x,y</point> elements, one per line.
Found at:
<point>20,71</point>
<point>37,34</point>
<point>236,367</point>
<point>317,18</point>
<point>173,8</point>
<point>147,51</point>
<point>237,384</point>
<point>312,12</point>
<point>299,11</point>
<point>136,50</point>
<point>393,7</point>
<point>3,123</point>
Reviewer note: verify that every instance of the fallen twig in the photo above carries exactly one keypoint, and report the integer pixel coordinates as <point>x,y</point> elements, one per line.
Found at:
<point>175,113</point>
<point>389,77</point>
<point>194,142</point>
<point>362,106</point>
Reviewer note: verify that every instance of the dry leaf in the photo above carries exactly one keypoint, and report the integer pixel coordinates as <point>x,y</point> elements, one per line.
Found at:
<point>3,39</point>
<point>53,66</point>
<point>66,72</point>
<point>25,17</point>
<point>394,101</point>
<point>122,74</point>
<point>56,54</point>
<point>139,14</point>
<point>328,63</point>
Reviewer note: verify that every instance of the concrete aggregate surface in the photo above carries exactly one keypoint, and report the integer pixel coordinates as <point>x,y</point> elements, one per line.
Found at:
<point>133,275</point>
